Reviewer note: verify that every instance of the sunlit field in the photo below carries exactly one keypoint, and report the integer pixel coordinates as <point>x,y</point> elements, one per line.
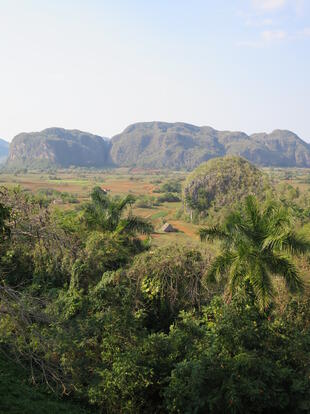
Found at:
<point>144,185</point>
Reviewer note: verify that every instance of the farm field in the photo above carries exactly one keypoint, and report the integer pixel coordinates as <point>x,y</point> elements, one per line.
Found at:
<point>144,185</point>
<point>119,182</point>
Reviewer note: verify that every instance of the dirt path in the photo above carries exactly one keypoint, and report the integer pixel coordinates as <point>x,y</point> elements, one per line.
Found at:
<point>187,228</point>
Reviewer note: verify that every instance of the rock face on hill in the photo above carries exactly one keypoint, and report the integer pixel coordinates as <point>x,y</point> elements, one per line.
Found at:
<point>179,146</point>
<point>4,150</point>
<point>58,147</point>
<point>155,145</point>
<point>222,183</point>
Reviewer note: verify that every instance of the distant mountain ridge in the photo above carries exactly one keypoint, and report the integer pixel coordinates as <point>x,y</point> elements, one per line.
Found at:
<point>179,145</point>
<point>155,145</point>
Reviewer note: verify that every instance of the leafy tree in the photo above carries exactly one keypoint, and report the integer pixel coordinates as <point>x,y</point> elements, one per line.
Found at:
<point>168,197</point>
<point>110,238</point>
<point>238,361</point>
<point>169,280</point>
<point>172,186</point>
<point>35,252</point>
<point>258,243</point>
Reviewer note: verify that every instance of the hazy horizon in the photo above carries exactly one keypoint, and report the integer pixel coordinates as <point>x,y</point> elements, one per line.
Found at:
<point>99,66</point>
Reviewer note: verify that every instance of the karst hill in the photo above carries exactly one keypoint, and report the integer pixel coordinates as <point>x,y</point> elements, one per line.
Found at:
<point>176,146</point>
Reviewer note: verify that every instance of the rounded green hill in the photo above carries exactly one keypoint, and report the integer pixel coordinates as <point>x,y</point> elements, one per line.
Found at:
<point>222,183</point>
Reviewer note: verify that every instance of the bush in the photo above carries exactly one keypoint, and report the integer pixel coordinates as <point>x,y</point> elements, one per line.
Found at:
<point>147,202</point>
<point>168,197</point>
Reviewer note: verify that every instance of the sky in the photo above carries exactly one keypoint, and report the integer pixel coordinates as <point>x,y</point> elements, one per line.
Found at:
<point>99,65</point>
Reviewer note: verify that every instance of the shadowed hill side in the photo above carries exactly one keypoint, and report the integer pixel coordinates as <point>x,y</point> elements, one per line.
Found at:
<point>280,148</point>
<point>174,146</point>
<point>184,146</point>
<point>58,147</point>
<point>165,145</point>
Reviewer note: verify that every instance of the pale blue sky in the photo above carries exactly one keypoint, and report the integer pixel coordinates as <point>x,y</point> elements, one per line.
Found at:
<point>101,65</point>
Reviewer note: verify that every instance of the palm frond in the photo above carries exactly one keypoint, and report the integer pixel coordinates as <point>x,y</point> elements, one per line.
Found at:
<point>237,224</point>
<point>252,209</point>
<point>219,266</point>
<point>262,285</point>
<point>283,266</point>
<point>91,216</point>
<point>212,233</point>
<point>296,243</point>
<point>233,221</point>
<point>280,218</point>
<point>134,224</point>
<point>124,202</point>
<point>287,240</point>
<point>269,209</point>
<point>236,275</point>
<point>99,197</point>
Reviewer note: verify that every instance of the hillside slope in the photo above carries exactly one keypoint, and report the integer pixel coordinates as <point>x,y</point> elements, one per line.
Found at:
<point>4,150</point>
<point>58,147</point>
<point>155,145</point>
<point>179,145</point>
<point>220,184</point>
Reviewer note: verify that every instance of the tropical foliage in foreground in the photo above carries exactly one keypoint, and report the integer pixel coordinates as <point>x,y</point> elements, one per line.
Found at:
<point>95,315</point>
<point>258,243</point>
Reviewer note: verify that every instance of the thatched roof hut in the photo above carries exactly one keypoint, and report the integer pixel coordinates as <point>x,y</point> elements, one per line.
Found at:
<point>168,228</point>
<point>58,201</point>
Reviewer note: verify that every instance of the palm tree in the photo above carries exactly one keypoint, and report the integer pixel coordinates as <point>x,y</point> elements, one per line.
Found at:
<point>105,213</point>
<point>258,243</point>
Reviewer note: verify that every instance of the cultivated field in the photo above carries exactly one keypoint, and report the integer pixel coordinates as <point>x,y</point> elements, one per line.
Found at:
<point>69,188</point>
<point>120,182</point>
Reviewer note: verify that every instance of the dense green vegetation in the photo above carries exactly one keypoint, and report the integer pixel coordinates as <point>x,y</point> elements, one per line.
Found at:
<point>97,316</point>
<point>48,195</point>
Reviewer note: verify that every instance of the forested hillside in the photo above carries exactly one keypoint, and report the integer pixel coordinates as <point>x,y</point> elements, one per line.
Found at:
<point>175,146</point>
<point>219,185</point>
<point>58,147</point>
<point>185,146</point>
